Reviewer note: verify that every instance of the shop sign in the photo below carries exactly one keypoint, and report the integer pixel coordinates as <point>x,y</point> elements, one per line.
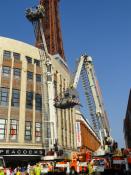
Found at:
<point>15,152</point>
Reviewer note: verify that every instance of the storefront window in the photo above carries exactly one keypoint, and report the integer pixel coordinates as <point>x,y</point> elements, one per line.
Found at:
<point>38,132</point>
<point>3,129</point>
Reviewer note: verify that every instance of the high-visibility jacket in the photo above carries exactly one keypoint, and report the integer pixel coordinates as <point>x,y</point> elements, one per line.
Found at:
<point>90,168</point>
<point>37,170</point>
<point>2,172</point>
<point>18,173</point>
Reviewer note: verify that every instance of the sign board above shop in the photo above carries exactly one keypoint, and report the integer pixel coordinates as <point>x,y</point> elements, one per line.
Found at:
<point>21,152</point>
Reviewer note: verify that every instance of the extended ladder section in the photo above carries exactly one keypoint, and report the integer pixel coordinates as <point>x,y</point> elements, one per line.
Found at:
<point>94,99</point>
<point>85,70</point>
<point>35,15</point>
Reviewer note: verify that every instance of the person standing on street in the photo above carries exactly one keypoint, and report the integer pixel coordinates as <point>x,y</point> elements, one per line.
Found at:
<point>1,171</point>
<point>90,168</point>
<point>37,169</point>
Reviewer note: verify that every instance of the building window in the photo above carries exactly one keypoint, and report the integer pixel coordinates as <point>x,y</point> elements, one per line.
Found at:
<point>15,98</point>
<point>3,123</point>
<point>29,100</point>
<point>13,129</point>
<point>38,77</point>
<point>28,128</point>
<point>38,133</point>
<point>37,62</point>
<point>29,75</point>
<point>6,54</point>
<point>38,102</point>
<point>4,93</point>
<point>16,56</point>
<point>6,71</point>
<point>17,73</point>
<point>29,59</point>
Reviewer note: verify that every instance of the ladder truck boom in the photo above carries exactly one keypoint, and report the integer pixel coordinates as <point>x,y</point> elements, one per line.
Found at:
<point>85,70</point>
<point>78,72</point>
<point>35,15</point>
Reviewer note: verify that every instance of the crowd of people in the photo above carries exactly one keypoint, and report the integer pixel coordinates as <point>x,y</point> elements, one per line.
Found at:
<point>42,169</point>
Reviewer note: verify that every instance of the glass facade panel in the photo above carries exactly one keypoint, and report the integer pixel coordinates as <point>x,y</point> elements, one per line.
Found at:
<point>17,73</point>
<point>6,71</point>
<point>29,59</point>
<point>38,132</point>
<point>38,78</point>
<point>16,56</point>
<point>37,62</point>
<point>29,75</point>
<point>2,129</point>
<point>28,130</point>
<point>4,94</point>
<point>38,102</point>
<point>6,54</point>
<point>29,100</point>
<point>15,98</point>
<point>13,129</point>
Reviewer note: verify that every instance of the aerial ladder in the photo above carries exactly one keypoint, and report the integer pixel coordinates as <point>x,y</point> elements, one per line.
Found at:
<point>85,70</point>
<point>70,99</point>
<point>49,136</point>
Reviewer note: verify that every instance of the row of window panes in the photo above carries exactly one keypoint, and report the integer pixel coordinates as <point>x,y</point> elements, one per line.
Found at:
<point>14,130</point>
<point>30,76</point>
<point>29,101</point>
<point>17,73</point>
<point>4,98</point>
<point>6,71</point>
<point>7,55</point>
<point>28,131</point>
<point>17,56</point>
<point>30,60</point>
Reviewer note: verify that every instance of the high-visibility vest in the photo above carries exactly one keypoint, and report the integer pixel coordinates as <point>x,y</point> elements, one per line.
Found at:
<point>90,168</point>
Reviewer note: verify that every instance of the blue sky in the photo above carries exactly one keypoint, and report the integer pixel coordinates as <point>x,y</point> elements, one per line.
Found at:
<point>100,28</point>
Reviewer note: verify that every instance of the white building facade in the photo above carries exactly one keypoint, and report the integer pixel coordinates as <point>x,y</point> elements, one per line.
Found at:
<point>21,100</point>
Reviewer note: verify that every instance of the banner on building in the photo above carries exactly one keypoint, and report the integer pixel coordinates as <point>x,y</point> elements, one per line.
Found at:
<point>78,134</point>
